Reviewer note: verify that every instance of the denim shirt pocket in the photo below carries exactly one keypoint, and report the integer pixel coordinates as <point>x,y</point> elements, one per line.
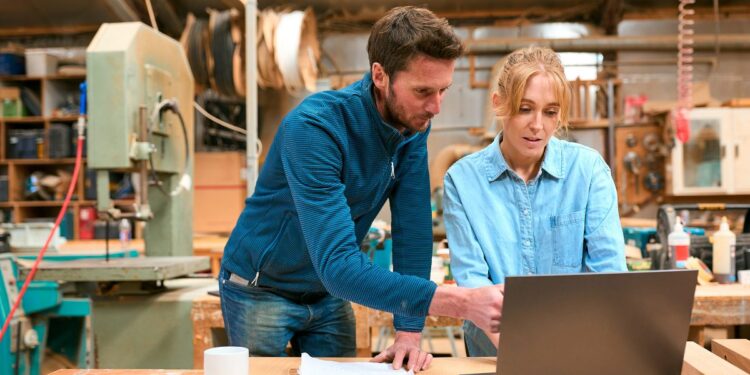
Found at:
<point>567,236</point>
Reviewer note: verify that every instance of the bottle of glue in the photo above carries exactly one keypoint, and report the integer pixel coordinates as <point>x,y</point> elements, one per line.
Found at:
<point>724,254</point>
<point>679,245</point>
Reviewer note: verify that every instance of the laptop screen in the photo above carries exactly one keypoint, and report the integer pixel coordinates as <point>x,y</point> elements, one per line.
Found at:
<point>596,323</point>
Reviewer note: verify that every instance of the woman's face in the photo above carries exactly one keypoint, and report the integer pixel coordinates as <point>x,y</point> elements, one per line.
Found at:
<point>528,132</point>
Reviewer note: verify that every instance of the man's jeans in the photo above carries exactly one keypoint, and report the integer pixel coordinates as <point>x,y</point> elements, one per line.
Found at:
<point>264,322</point>
<point>477,343</point>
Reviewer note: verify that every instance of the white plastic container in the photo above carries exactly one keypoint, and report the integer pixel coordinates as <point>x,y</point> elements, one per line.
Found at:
<point>30,237</point>
<point>724,254</point>
<point>679,245</point>
<point>40,62</point>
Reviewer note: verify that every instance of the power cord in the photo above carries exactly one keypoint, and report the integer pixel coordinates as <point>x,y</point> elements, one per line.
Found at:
<point>185,180</point>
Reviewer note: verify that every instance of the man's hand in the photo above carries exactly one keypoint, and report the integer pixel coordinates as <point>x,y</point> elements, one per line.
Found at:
<point>406,345</point>
<point>485,307</point>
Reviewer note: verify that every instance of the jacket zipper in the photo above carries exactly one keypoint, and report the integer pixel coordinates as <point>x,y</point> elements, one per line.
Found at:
<point>393,170</point>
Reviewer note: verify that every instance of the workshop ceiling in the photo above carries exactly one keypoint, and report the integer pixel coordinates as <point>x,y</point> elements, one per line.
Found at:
<point>48,14</point>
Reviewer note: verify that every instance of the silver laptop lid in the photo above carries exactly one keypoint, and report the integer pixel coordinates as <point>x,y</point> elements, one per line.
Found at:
<point>596,323</point>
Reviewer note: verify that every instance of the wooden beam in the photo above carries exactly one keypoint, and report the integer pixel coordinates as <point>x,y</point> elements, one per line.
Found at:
<point>167,16</point>
<point>123,10</point>
<point>47,30</point>
<point>701,13</point>
<point>699,361</point>
<point>735,351</point>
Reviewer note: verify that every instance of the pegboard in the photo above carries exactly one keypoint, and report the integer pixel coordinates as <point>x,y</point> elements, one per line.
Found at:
<point>639,165</point>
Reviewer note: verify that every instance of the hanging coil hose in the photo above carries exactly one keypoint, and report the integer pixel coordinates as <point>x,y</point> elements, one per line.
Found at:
<point>185,179</point>
<point>684,71</point>
<point>222,52</point>
<point>196,40</point>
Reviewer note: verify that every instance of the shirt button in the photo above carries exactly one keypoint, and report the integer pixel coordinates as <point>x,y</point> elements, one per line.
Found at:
<point>527,243</point>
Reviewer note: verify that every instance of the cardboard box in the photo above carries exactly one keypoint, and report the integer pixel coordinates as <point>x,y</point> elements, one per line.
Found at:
<point>220,191</point>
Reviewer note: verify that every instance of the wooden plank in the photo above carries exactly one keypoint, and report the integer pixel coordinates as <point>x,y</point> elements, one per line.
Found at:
<point>56,30</point>
<point>697,334</point>
<point>721,305</point>
<point>363,330</point>
<point>735,351</point>
<point>123,269</point>
<point>128,372</point>
<point>717,305</point>
<point>440,366</point>
<point>206,314</point>
<point>737,102</point>
<point>699,361</point>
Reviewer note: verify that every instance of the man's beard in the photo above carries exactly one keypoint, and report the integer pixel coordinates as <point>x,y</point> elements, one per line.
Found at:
<point>391,110</point>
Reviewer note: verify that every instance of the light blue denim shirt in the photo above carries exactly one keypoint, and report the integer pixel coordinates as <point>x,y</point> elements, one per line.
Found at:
<point>565,220</point>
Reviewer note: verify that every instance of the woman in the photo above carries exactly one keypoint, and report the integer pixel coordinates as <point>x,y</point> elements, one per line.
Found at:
<point>530,203</point>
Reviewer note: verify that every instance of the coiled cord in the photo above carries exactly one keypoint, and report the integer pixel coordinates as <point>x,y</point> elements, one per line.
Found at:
<point>222,51</point>
<point>196,51</point>
<point>684,70</point>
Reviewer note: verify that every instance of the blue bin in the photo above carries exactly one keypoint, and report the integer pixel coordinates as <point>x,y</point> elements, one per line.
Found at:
<point>12,64</point>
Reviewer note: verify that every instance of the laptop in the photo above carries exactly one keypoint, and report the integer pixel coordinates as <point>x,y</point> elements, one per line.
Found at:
<point>596,323</point>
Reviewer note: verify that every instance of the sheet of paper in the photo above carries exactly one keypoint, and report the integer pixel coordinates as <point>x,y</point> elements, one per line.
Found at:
<point>313,366</point>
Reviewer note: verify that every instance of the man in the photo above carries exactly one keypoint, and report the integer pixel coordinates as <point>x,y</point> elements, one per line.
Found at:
<point>293,259</point>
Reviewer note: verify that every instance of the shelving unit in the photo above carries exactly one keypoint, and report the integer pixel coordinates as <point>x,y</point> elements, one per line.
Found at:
<point>52,92</point>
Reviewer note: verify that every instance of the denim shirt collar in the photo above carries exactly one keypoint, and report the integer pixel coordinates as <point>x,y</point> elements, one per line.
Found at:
<point>390,137</point>
<point>553,163</point>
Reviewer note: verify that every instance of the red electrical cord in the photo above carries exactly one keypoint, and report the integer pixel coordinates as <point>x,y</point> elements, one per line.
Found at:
<point>63,210</point>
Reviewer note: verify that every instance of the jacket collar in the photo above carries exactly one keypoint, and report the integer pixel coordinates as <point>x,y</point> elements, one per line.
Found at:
<point>553,163</point>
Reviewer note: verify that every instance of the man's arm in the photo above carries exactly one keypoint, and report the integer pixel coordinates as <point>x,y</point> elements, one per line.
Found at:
<point>312,161</point>
<point>411,216</point>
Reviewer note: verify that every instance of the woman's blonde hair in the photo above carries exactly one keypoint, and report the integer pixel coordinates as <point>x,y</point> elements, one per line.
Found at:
<point>519,66</point>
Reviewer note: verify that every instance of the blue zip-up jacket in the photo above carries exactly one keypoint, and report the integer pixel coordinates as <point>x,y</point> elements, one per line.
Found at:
<point>332,165</point>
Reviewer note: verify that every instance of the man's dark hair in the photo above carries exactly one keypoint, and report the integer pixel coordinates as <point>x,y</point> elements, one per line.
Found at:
<point>405,32</point>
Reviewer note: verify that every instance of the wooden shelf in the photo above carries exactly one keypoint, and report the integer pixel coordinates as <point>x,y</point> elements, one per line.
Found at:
<point>64,118</point>
<point>64,161</point>
<point>117,202</point>
<point>23,120</point>
<point>41,203</point>
<point>19,78</point>
<point>39,78</point>
<point>65,76</point>
<point>52,91</point>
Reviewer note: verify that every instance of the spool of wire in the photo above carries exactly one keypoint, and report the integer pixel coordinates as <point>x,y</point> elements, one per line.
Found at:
<point>197,39</point>
<point>684,71</point>
<point>222,51</point>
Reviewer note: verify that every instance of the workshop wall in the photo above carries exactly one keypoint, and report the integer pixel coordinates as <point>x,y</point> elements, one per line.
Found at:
<point>728,76</point>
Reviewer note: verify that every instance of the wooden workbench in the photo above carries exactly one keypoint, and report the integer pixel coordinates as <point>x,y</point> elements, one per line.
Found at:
<point>714,305</point>
<point>210,246</point>
<point>697,361</point>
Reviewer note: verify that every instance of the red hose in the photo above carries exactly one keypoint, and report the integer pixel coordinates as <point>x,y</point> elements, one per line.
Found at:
<point>63,210</point>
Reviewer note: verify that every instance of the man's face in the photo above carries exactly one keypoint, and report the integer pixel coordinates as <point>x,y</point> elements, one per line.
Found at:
<point>412,97</point>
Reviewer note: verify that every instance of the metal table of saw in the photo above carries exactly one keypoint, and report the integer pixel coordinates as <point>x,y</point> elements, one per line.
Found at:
<point>123,269</point>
